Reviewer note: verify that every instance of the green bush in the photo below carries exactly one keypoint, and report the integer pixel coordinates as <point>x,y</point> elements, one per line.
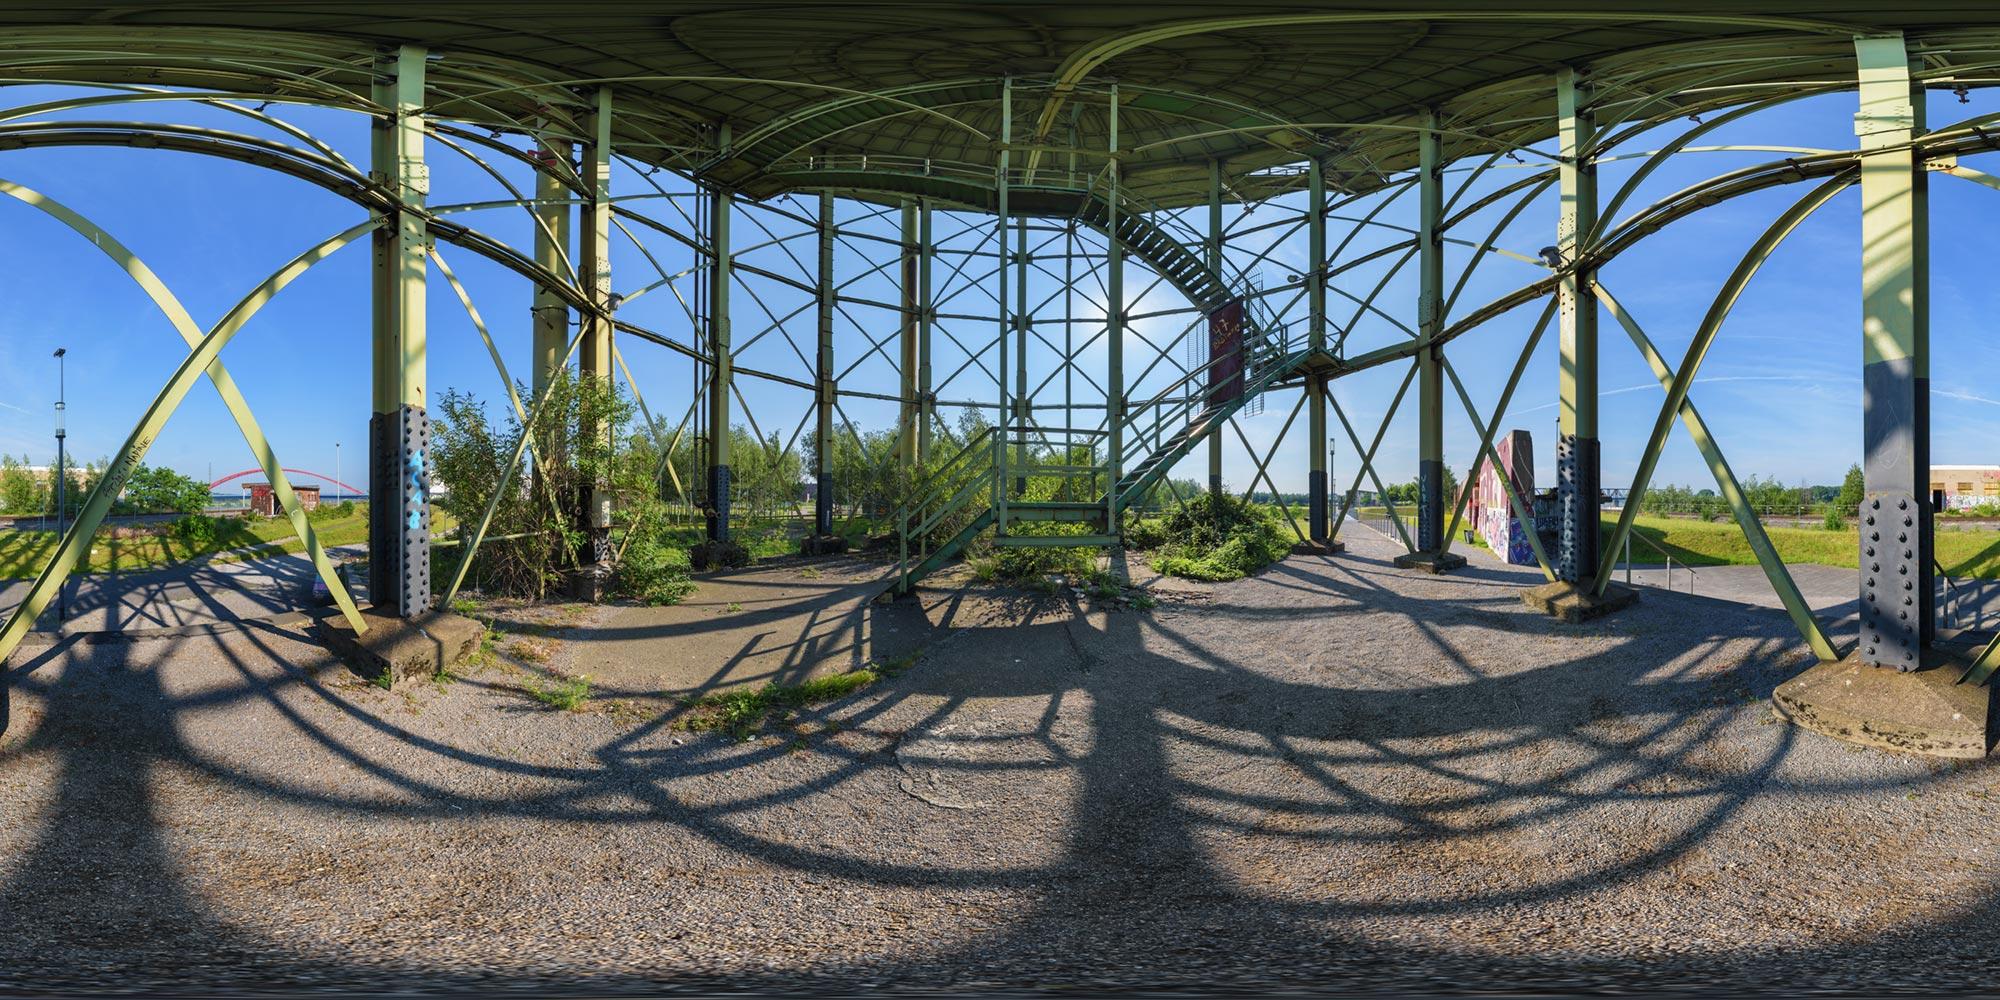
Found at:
<point>1832,521</point>
<point>653,572</point>
<point>1220,537</point>
<point>332,511</point>
<point>195,529</point>
<point>1145,533</point>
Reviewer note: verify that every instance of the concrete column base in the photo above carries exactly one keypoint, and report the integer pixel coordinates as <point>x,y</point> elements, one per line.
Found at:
<point>590,584</point>
<point>1924,711</point>
<point>1319,548</point>
<point>396,647</point>
<point>1573,602</point>
<point>1431,562</point>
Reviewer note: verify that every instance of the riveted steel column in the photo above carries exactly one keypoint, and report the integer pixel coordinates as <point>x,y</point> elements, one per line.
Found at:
<point>721,373</point>
<point>1114,307</point>
<point>399,554</point>
<point>911,411</point>
<point>1896,575</point>
<point>1316,340</point>
<point>1430,323</point>
<point>823,432</point>
<point>1578,496</point>
<point>594,351</point>
<point>1212,248</point>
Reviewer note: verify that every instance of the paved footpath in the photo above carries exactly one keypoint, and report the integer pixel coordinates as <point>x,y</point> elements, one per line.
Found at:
<point>190,594</point>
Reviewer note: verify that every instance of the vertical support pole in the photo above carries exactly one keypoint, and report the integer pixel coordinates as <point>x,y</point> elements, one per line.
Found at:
<point>721,372</point>
<point>1315,278</point>
<point>1897,605</point>
<point>1430,321</point>
<point>912,318</point>
<point>1114,307</point>
<point>550,315</point>
<point>1578,496</point>
<point>927,318</point>
<point>399,553</point>
<point>1000,181</point>
<point>823,433</point>
<point>1023,413</point>
<point>594,362</point>
<point>1213,250</point>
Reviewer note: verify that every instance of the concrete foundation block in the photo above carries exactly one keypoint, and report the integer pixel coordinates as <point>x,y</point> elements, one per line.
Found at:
<point>1431,562</point>
<point>1573,602</point>
<point>590,584</point>
<point>822,545</point>
<point>398,647</point>
<point>1331,547</point>
<point>1925,711</point>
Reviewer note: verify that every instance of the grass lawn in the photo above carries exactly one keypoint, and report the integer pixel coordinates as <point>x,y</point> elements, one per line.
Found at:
<point>1721,543</point>
<point>132,547</point>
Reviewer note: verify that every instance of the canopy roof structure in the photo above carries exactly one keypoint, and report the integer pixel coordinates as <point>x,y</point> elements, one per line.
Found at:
<point>1080,137</point>
<point>763,97</point>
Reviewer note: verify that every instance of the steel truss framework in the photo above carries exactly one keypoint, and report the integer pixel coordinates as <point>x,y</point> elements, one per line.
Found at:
<point>1045,270</point>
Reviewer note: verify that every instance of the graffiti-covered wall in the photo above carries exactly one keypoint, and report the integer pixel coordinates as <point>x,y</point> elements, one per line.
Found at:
<point>1491,511</point>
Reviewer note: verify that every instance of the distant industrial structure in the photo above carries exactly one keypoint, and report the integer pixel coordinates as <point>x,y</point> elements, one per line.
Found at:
<point>1966,486</point>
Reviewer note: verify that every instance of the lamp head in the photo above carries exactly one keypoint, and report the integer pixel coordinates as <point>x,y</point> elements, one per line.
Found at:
<point>60,351</point>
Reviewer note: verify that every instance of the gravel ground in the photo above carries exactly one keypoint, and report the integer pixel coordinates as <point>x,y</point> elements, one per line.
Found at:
<point>1334,775</point>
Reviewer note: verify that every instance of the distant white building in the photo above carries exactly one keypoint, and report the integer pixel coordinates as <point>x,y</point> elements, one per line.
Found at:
<point>1966,485</point>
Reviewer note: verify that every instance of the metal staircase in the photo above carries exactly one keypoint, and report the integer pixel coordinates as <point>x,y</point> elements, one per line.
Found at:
<point>946,513</point>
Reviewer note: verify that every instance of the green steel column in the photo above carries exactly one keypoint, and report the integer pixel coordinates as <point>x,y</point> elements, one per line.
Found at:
<point>1006,409</point>
<point>927,318</point>
<point>1896,575</point>
<point>1022,321</point>
<point>823,433</point>
<point>594,361</point>
<point>1578,473</point>
<point>1430,322</point>
<point>911,412</point>
<point>552,248</point>
<point>1316,340</point>
<point>1023,413</point>
<point>1212,247</point>
<point>550,316</point>
<point>1114,307</point>
<point>721,372</point>
<point>399,475</point>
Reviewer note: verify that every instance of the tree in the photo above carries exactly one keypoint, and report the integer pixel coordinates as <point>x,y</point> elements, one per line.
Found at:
<point>19,492</point>
<point>164,491</point>
<point>1853,489</point>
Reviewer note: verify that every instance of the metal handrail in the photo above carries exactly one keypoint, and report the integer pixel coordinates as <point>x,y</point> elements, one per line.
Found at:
<point>1649,543</point>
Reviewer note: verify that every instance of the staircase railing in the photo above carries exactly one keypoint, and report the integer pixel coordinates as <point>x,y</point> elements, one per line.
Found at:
<point>1151,427</point>
<point>1647,542</point>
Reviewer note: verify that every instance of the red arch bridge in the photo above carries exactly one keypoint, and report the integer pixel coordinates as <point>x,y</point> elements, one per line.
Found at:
<point>349,490</point>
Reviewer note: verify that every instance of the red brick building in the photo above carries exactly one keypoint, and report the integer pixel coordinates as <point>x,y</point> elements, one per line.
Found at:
<point>264,503</point>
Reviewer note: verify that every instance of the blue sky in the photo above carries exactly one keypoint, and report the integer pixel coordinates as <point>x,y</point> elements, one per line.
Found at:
<point>1781,387</point>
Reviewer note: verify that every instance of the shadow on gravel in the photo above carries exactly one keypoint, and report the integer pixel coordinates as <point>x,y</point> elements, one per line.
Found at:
<point>1138,895</point>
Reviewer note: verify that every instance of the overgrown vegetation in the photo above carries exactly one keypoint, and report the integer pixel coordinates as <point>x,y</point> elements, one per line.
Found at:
<point>741,713</point>
<point>560,693</point>
<point>1212,537</point>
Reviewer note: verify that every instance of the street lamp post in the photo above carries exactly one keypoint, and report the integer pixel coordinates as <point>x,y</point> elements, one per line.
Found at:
<point>336,470</point>
<point>62,593</point>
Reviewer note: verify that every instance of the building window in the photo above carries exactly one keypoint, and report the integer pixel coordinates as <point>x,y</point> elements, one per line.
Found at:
<point>1965,488</point>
